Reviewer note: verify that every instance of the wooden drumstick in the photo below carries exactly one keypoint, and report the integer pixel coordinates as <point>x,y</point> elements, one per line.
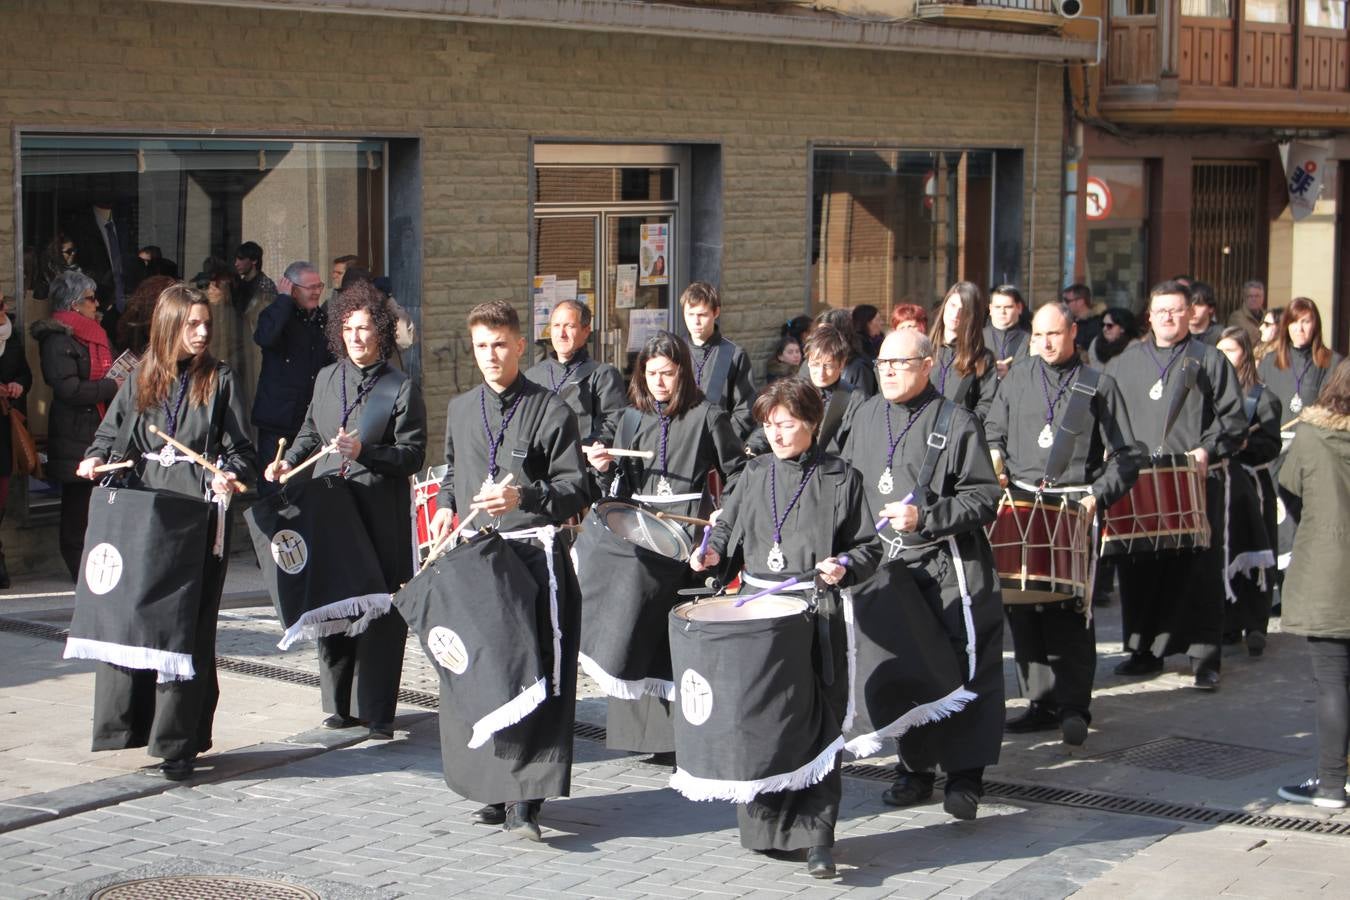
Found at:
<point>322,452</point>
<point>635,454</point>
<point>440,547</point>
<point>238,486</point>
<point>112,467</point>
<point>688,520</point>
<point>1292,422</point>
<point>842,560</point>
<point>281,447</point>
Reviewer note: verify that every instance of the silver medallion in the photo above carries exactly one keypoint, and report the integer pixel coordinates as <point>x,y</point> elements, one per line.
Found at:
<point>1047,437</point>
<point>1155,392</point>
<point>886,484</point>
<point>1296,405</point>
<point>167,457</point>
<point>488,484</point>
<point>777,562</point>
<point>663,488</point>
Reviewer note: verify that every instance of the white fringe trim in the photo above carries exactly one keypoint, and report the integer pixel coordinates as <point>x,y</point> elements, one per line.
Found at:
<point>1252,560</point>
<point>223,502</point>
<point>924,714</point>
<point>331,619</point>
<point>815,771</point>
<point>966,603</point>
<point>1284,559</point>
<point>852,638</point>
<point>170,666</point>
<point>509,713</point>
<point>623,689</point>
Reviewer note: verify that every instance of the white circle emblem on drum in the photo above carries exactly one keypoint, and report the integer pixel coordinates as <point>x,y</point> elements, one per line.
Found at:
<point>289,551</point>
<point>448,649</point>
<point>103,569</point>
<point>696,697</point>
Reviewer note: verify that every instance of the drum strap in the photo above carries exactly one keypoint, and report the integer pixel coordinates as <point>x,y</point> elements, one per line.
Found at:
<point>1251,401</point>
<point>380,404</point>
<point>937,442</point>
<point>1181,388</point>
<point>1077,418</point>
<point>717,382</point>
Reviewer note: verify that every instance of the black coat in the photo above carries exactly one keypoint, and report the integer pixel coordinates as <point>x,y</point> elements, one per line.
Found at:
<point>13,367</point>
<point>74,416</point>
<point>294,349</point>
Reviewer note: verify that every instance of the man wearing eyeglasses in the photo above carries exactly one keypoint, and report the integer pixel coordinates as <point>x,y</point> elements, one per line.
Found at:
<point>291,333</point>
<point>934,534</point>
<point>1174,603</point>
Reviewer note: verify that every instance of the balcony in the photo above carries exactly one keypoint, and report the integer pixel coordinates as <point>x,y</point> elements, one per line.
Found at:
<point>1010,15</point>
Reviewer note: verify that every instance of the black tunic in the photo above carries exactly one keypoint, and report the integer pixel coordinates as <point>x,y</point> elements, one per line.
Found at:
<point>972,391</point>
<point>371,662</point>
<point>958,504</point>
<point>593,390</point>
<point>1302,377</point>
<point>1011,343</point>
<point>736,394</point>
<point>130,710</point>
<point>829,518</point>
<point>1255,592</point>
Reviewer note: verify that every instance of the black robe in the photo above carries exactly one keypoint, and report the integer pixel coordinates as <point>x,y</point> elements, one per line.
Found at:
<point>541,448</point>
<point>829,518</point>
<point>593,390</point>
<point>173,719</point>
<point>372,662</point>
<point>1255,590</point>
<point>736,394</point>
<point>1012,343</point>
<point>955,508</point>
<point>971,391</point>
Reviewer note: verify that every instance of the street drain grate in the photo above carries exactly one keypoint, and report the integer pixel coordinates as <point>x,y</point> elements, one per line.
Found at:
<point>1202,759</point>
<point>33,629</point>
<point>203,887</point>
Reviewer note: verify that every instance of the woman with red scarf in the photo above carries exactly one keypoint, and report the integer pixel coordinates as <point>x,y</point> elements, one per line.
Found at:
<point>76,358</point>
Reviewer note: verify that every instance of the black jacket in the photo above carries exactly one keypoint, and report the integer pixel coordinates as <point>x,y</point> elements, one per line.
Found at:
<point>13,367</point>
<point>294,349</point>
<point>74,416</point>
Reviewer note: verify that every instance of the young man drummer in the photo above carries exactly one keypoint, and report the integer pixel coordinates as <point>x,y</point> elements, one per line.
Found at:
<point>721,368</point>
<point>1174,603</point>
<point>594,390</point>
<point>933,529</point>
<point>1035,423</point>
<point>826,353</point>
<point>510,425</point>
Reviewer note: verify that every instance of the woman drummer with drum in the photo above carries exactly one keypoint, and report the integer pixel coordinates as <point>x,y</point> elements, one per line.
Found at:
<point>181,392</point>
<point>685,438</point>
<point>793,514</point>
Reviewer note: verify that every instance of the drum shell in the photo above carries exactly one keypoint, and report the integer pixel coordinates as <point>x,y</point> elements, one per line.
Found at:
<point>1165,511</point>
<point>425,502</point>
<point>1042,546</point>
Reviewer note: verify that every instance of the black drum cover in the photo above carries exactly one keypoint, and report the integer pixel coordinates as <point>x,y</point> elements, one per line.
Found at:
<point>751,715</point>
<point>140,583</point>
<point>473,609</point>
<point>317,559</point>
<point>628,586</point>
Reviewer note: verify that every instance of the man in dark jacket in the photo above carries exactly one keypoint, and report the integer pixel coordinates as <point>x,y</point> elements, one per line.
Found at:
<point>291,334</point>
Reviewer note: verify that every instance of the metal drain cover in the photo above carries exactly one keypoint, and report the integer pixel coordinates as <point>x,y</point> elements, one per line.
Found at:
<point>203,887</point>
<point>1203,759</point>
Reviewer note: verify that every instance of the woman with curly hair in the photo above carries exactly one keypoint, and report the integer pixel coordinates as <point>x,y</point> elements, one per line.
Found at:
<point>964,370</point>
<point>375,414</point>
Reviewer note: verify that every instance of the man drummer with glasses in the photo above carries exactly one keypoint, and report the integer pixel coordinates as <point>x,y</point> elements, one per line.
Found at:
<point>928,475</point>
<point>1183,398</point>
<point>1058,425</point>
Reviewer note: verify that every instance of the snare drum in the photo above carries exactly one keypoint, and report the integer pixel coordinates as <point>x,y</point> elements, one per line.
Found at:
<point>424,494</point>
<point>1164,511</point>
<point>1042,544</point>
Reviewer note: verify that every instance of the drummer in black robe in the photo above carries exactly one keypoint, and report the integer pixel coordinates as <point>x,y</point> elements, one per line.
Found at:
<point>1005,335</point>
<point>376,415</point>
<point>1254,579</point>
<point>826,354</point>
<point>1055,643</point>
<point>794,512</point>
<point>964,371</point>
<point>592,389</point>
<point>934,529</point>
<point>688,437</point>
<point>185,393</point>
<point>722,369</point>
<point>510,425</point>
<point>1174,603</point>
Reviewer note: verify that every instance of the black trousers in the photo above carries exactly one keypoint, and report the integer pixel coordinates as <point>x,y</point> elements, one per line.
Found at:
<point>1331,672</point>
<point>1055,647</point>
<point>368,666</point>
<point>74,521</point>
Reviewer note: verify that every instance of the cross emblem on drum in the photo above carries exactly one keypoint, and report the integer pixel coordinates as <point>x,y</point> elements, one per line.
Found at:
<point>696,697</point>
<point>103,569</point>
<point>448,649</point>
<point>289,551</point>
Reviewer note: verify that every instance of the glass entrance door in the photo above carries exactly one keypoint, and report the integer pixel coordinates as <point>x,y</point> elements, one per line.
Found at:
<point>639,253</point>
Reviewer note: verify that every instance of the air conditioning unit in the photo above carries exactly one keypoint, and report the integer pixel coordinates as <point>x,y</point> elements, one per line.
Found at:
<point>1069,9</point>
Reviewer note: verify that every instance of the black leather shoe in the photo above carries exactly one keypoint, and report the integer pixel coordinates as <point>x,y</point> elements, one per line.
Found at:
<point>1256,643</point>
<point>820,863</point>
<point>961,803</point>
<point>1036,718</point>
<point>1206,680</point>
<point>665,760</point>
<point>909,789</point>
<point>522,820</point>
<point>381,732</point>
<point>1140,664</point>
<point>492,814</point>
<point>337,722</point>
<point>176,769</point>
<point>1074,729</point>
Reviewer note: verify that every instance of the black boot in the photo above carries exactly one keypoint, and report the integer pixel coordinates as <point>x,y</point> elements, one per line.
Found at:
<point>820,863</point>
<point>523,819</point>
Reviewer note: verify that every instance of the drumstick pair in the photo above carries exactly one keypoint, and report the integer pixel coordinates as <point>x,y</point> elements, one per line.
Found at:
<point>842,559</point>
<point>441,546</point>
<point>237,486</point>
<point>323,451</point>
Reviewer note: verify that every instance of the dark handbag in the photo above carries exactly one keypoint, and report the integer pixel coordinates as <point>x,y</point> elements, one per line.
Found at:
<point>24,450</point>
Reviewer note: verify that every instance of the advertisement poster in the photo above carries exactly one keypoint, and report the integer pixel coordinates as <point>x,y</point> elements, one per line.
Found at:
<point>565,290</point>
<point>642,324</point>
<point>654,257</point>
<point>625,286</point>
<point>545,295</point>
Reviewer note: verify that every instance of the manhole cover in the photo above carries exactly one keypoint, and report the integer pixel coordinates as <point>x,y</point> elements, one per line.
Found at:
<point>1203,759</point>
<point>203,887</point>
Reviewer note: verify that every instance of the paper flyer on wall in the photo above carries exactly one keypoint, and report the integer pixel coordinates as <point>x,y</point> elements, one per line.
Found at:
<point>642,324</point>
<point>544,296</point>
<point>654,256</point>
<point>565,290</point>
<point>625,286</point>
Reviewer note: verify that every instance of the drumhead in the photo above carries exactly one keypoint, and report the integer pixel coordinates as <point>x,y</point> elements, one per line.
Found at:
<point>724,609</point>
<point>639,526</point>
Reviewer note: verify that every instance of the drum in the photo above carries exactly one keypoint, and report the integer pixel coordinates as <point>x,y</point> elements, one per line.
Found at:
<point>141,580</point>
<point>317,559</point>
<point>1164,511</point>
<point>630,565</point>
<point>752,715</point>
<point>1042,545</point>
<point>425,490</point>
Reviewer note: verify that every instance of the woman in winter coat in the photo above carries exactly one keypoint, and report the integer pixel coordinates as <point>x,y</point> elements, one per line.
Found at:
<point>1316,604</point>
